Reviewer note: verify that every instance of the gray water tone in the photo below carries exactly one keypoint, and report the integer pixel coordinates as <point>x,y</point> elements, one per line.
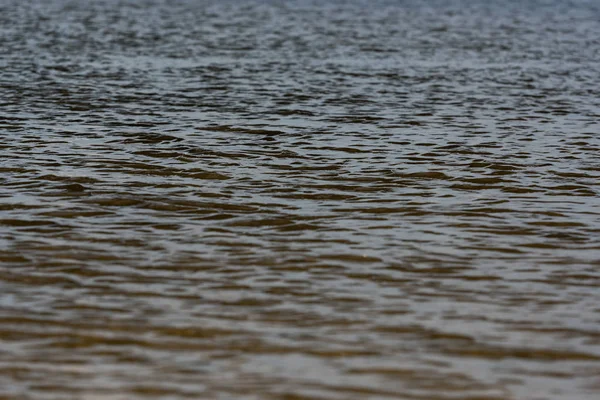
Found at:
<point>296,200</point>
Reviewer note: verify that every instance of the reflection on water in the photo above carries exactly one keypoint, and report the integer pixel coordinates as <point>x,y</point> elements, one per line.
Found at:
<point>299,200</point>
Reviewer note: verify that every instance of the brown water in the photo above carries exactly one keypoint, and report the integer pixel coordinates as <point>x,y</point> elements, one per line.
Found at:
<point>299,200</point>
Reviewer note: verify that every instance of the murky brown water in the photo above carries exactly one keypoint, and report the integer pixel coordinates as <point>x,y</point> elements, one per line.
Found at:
<point>299,200</point>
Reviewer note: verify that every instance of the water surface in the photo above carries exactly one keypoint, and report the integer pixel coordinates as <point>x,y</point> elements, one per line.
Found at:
<point>299,200</point>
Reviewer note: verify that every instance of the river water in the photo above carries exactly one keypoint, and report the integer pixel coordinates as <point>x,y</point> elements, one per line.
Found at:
<point>299,200</point>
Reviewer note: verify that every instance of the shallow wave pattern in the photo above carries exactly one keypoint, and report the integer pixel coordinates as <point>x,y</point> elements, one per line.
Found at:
<point>299,200</point>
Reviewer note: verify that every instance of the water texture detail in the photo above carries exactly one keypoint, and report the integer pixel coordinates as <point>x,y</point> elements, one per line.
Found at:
<point>299,200</point>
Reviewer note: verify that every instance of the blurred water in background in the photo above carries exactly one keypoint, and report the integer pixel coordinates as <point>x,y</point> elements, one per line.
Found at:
<point>299,200</point>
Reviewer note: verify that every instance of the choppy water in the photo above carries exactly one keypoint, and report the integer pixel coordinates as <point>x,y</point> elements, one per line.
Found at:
<point>299,200</point>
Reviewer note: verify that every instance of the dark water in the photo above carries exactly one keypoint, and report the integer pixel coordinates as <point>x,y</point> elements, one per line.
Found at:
<point>299,200</point>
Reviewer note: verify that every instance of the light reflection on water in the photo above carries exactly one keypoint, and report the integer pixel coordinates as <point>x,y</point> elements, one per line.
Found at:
<point>293,200</point>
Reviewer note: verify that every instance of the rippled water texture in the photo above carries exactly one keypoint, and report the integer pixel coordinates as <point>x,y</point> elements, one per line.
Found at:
<point>299,200</point>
